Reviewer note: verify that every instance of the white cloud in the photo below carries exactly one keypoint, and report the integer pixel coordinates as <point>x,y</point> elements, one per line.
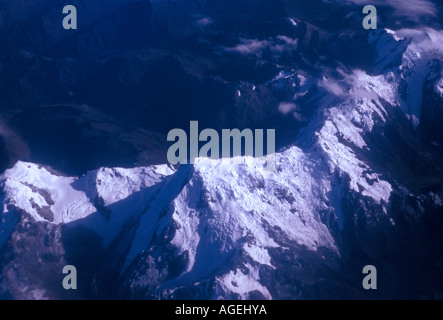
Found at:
<point>205,21</point>
<point>332,86</point>
<point>412,9</point>
<point>249,46</point>
<point>278,46</point>
<point>298,116</point>
<point>290,107</point>
<point>287,107</point>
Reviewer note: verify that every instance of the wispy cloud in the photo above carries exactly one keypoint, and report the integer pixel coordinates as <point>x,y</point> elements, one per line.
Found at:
<point>249,46</point>
<point>254,47</point>
<point>205,21</point>
<point>291,108</point>
<point>357,84</point>
<point>287,107</point>
<point>412,9</point>
<point>332,87</point>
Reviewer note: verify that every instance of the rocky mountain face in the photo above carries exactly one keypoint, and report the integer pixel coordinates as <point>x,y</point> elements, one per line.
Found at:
<point>358,174</point>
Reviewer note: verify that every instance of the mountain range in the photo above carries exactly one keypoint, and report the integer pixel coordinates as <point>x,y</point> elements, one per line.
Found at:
<point>358,177</point>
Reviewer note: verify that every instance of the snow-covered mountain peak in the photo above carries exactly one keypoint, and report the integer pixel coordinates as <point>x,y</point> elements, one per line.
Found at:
<point>44,195</point>
<point>409,54</point>
<point>48,196</point>
<point>348,110</point>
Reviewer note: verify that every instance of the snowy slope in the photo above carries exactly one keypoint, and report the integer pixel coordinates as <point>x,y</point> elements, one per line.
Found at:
<point>49,197</point>
<point>234,206</point>
<point>35,190</point>
<point>345,119</point>
<point>409,54</point>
